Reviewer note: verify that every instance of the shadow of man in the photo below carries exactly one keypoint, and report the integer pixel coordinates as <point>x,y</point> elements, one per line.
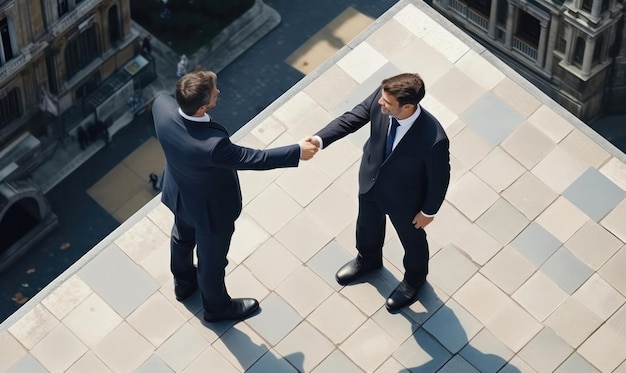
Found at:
<point>453,353</point>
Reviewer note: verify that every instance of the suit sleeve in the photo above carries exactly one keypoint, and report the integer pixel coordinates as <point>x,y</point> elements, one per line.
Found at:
<point>438,175</point>
<point>350,121</point>
<point>229,155</point>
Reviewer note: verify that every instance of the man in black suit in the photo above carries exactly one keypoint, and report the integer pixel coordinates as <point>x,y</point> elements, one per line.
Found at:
<point>404,173</point>
<point>201,187</point>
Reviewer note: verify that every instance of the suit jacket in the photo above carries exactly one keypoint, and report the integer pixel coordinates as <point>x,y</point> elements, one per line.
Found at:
<point>415,176</point>
<point>200,182</point>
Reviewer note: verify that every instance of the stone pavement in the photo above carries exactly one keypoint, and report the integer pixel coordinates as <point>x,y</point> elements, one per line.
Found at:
<point>527,252</point>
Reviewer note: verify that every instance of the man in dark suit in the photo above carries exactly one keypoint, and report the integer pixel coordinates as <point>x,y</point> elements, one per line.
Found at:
<point>201,187</point>
<point>404,173</point>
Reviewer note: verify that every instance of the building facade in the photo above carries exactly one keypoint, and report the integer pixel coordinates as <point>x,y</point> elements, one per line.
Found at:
<point>572,50</point>
<point>54,56</point>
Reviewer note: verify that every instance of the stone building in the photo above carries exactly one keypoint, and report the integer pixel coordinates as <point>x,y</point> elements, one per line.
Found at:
<point>54,57</point>
<point>573,50</point>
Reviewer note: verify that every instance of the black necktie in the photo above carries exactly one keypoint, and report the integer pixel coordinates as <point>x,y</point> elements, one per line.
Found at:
<point>391,136</point>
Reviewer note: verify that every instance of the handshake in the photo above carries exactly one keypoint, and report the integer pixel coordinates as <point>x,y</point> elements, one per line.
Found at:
<point>308,147</point>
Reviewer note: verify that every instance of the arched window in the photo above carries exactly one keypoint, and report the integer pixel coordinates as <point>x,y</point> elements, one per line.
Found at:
<point>10,107</point>
<point>80,51</point>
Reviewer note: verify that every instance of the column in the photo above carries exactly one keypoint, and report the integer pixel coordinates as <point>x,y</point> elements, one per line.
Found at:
<point>509,25</point>
<point>595,9</point>
<point>493,18</point>
<point>541,51</point>
<point>590,44</point>
<point>569,44</point>
<point>554,27</point>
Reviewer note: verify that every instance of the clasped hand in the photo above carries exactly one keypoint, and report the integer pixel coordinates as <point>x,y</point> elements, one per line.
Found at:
<point>308,148</point>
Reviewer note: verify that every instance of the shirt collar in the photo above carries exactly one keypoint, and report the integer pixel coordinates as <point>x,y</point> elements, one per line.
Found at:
<point>204,118</point>
<point>412,118</point>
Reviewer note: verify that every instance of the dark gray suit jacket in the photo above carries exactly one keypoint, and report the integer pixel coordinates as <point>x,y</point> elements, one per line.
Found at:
<point>200,182</point>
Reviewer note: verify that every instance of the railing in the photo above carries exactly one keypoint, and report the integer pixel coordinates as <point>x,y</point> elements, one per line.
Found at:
<point>478,19</point>
<point>69,19</point>
<point>524,48</point>
<point>11,66</point>
<point>459,7</point>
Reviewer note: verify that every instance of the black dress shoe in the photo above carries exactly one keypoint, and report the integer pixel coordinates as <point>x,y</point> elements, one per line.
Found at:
<point>352,271</point>
<point>404,295</point>
<point>239,309</point>
<point>182,293</point>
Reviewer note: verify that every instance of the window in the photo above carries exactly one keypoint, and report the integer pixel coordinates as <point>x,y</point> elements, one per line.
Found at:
<point>10,107</point>
<point>597,50</point>
<point>586,6</point>
<point>115,33</point>
<point>6,45</point>
<point>579,52</point>
<point>528,28</point>
<point>63,6</point>
<point>80,51</point>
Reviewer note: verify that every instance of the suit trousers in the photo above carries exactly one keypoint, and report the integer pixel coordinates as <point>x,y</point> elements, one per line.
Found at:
<point>212,249</point>
<point>370,236</point>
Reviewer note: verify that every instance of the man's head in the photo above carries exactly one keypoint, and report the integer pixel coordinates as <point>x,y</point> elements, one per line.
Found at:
<point>196,92</point>
<point>401,94</point>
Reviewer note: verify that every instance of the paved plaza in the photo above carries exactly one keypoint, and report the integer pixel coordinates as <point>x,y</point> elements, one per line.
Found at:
<point>527,251</point>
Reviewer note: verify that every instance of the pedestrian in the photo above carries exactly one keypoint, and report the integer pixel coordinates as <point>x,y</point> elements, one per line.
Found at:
<point>146,48</point>
<point>201,187</point>
<point>404,173</point>
<point>181,67</point>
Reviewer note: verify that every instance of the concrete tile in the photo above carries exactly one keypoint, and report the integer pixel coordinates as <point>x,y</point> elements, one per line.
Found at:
<point>33,326</point>
<point>486,352</point>
<point>481,298</point>
<point>268,130</point>
<point>517,365</point>
<point>248,236</point>
<point>481,71</point>
<point>516,97</point>
<point>614,221</point>
<point>114,290</point>
<point>304,183</point>
<point>585,149</point>
<point>27,364</point>
<point>604,349</point>
<point>613,271</point>
<point>189,307</point>
<point>599,296</point>
<point>457,364</point>
<point>456,91</point>
<point>362,62</point>
<point>117,187</point>
<point>615,170</point>
<point>416,21</point>
<point>513,326</point>
<point>157,264</point>
<point>327,262</point>
<point>337,362</point>
<point>241,346</point>
<point>273,208</point>
<point>573,322</point>
<point>331,87</point>
<point>302,236</point>
<point>453,326</point>
<point>276,320</point>
<point>546,351</point>
<point>141,240</point>
<point>594,194</point>
<point>89,362</point>
<point>271,361</point>
<point>446,227</point>
<point>335,160</point>
<point>621,368</point>
<point>317,290</point>
<point>440,265</point>
<point>432,65</point>
<point>498,169</point>
<point>391,366</point>
<point>536,244</point>
<point>471,196</point>
<point>296,108</point>
<point>469,147</point>
<point>448,44</point>
<point>182,347</point>
<point>348,181</point>
<point>272,263</point>
<point>92,320</point>
<point>156,319</point>
<point>379,39</point>
<point>337,329</point>
<point>370,292</point>
<point>241,283</point>
<point>558,169</point>
<point>508,270</point>
<point>59,349</point>
<point>333,210</point>
<point>210,331</point>
<point>503,221</point>
<point>369,346</point>
<point>162,217</point>
<point>429,299</point>
<point>316,118</point>
<point>148,157</point>
<point>154,364</point>
<point>566,270</point>
<point>617,322</point>
<point>529,185</point>
<point>12,350</point>
<point>133,204</point>
<point>124,349</point>
<point>593,245</point>
<point>552,124</point>
<point>400,326</point>
<point>254,182</point>
<point>478,244</point>
<point>562,219</point>
<point>306,341</point>
<point>211,358</point>
<point>444,115</point>
<point>528,145</point>
<point>422,352</point>
<point>540,296</point>
<point>498,125</point>
<point>67,296</point>
<point>576,363</point>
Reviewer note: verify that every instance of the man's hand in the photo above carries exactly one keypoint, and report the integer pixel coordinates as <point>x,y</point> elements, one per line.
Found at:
<point>308,148</point>
<point>421,221</point>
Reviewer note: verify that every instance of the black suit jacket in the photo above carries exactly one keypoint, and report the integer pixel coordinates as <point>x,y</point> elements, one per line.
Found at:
<point>416,175</point>
<point>200,182</point>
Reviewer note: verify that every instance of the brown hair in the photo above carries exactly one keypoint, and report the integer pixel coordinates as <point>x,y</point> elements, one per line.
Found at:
<point>407,88</point>
<point>194,90</point>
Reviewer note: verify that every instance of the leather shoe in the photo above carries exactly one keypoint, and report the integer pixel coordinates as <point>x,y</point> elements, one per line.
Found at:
<point>403,295</point>
<point>352,271</point>
<point>239,309</point>
<point>182,293</point>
